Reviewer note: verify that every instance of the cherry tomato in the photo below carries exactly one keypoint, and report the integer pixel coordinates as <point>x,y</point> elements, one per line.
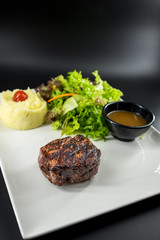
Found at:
<point>20,96</point>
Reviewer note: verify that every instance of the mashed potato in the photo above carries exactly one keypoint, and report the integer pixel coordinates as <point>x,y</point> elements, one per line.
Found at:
<point>23,115</point>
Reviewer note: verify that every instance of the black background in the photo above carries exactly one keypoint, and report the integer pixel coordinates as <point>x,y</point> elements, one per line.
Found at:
<point>121,39</point>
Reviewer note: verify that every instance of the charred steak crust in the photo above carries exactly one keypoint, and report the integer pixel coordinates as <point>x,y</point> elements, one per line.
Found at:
<point>69,160</point>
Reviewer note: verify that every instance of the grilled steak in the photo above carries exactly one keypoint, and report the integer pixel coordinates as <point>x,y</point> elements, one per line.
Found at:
<point>69,160</point>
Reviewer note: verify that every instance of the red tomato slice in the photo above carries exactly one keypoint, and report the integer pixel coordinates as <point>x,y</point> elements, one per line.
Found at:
<point>20,96</point>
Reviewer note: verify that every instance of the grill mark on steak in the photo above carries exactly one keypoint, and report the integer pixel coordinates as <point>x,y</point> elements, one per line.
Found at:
<point>69,160</point>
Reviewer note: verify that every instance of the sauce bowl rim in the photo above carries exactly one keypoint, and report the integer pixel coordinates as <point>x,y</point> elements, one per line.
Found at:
<point>123,125</point>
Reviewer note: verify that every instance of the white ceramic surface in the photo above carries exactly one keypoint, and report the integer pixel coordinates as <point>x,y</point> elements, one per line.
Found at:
<point>129,172</point>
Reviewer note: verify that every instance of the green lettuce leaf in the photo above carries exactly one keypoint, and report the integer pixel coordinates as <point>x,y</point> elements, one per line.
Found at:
<point>81,112</point>
<point>69,105</point>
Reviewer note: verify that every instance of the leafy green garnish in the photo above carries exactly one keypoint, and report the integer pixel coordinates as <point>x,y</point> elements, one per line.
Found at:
<point>81,112</point>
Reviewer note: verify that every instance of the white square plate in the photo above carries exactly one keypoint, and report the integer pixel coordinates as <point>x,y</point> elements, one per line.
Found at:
<point>129,172</point>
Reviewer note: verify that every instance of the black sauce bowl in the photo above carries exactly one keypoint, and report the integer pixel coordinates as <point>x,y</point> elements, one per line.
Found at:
<point>124,132</point>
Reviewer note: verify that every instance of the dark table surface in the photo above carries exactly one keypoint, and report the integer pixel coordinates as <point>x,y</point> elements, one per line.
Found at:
<point>126,53</point>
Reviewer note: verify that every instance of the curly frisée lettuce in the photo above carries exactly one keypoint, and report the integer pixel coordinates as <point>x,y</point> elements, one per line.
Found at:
<point>75,103</point>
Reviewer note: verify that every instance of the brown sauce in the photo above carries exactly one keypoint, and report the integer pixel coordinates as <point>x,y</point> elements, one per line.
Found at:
<point>127,118</point>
